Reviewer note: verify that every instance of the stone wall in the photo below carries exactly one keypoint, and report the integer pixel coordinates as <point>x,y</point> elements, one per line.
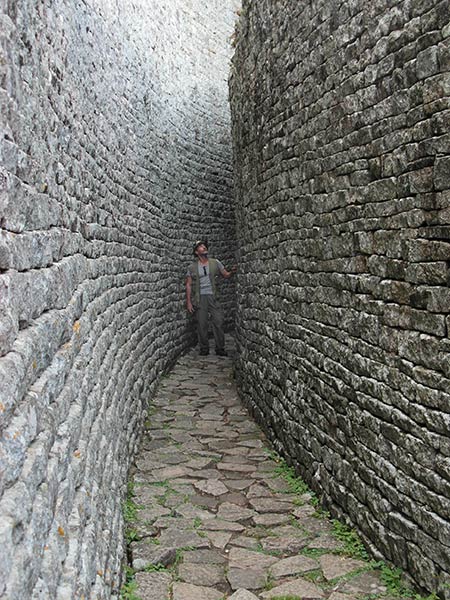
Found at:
<point>115,158</point>
<point>341,118</point>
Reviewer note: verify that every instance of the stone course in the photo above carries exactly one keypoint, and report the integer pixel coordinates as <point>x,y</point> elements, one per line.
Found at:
<point>341,115</point>
<point>115,156</point>
<point>214,552</point>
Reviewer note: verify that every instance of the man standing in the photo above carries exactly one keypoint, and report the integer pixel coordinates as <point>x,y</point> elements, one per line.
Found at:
<point>201,296</point>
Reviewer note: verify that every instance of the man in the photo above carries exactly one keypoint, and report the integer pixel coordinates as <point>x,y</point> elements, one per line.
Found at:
<point>201,296</point>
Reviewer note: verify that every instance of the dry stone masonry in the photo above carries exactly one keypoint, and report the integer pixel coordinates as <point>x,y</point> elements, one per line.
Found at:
<point>341,130</point>
<point>115,157</point>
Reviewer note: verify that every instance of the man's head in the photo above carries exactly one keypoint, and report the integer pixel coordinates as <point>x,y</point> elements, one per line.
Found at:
<point>200,247</point>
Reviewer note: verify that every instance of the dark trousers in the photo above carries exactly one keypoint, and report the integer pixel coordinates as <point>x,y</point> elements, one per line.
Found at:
<point>209,307</point>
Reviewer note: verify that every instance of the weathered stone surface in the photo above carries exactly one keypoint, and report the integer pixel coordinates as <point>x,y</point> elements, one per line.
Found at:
<point>324,542</point>
<point>187,591</point>
<point>243,541</point>
<point>298,587</point>
<point>206,575</point>
<point>153,513</point>
<point>153,586</point>
<point>213,487</point>
<point>336,566</point>
<point>342,171</point>
<point>114,124</point>
<point>269,519</point>
<point>271,505</point>
<point>243,595</point>
<point>366,583</point>
<point>251,579</point>
<point>222,525</point>
<point>205,556</point>
<point>179,538</point>
<point>247,559</point>
<point>218,539</point>
<point>233,512</point>
<point>294,565</point>
<point>145,553</point>
<point>284,545</point>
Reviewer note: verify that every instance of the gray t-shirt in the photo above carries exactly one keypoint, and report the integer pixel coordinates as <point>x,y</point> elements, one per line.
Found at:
<point>205,282</point>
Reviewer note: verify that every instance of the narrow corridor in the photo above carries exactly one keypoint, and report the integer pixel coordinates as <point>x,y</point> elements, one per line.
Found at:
<point>212,515</point>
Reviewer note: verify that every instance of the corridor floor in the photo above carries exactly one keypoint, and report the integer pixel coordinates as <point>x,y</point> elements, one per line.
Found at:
<point>210,516</point>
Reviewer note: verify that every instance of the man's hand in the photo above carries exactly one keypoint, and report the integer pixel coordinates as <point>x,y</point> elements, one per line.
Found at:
<point>189,307</point>
<point>229,273</point>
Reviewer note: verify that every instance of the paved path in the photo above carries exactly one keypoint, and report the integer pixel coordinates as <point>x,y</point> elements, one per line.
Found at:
<point>213,519</point>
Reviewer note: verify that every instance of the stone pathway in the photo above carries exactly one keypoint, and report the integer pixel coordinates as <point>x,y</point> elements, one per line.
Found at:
<point>213,521</point>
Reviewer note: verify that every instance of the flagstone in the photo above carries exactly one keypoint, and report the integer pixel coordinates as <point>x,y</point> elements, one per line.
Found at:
<point>233,512</point>
<point>219,539</point>
<point>251,579</point>
<point>316,526</point>
<point>239,484</point>
<point>325,542</point>
<point>283,545</point>
<point>174,522</point>
<point>207,502</point>
<point>368,583</point>
<point>243,541</point>
<point>270,519</point>
<point>302,512</point>
<point>188,591</point>
<point>182,488</point>
<point>297,587</point>
<point>179,538</point>
<point>276,484</point>
<point>252,443</point>
<point>152,586</point>
<point>210,556</point>
<point>238,451</point>
<point>152,513</point>
<point>247,559</point>
<point>143,530</point>
<point>294,565</point>
<point>213,474</point>
<point>235,468</point>
<point>243,595</point>
<point>213,487</point>
<point>339,596</point>
<point>147,494</point>
<point>189,511</point>
<point>259,491</point>
<point>222,525</point>
<point>334,566</point>
<point>145,553</point>
<point>171,472</point>
<point>208,575</point>
<point>274,505</point>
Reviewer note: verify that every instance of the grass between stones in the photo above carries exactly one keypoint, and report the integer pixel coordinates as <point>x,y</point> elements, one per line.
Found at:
<point>128,589</point>
<point>352,546</point>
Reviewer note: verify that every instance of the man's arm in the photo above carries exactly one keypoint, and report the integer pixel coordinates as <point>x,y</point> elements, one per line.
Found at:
<point>229,273</point>
<point>189,306</point>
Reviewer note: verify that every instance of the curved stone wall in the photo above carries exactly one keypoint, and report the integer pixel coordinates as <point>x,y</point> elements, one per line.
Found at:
<point>340,117</point>
<point>115,158</point>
